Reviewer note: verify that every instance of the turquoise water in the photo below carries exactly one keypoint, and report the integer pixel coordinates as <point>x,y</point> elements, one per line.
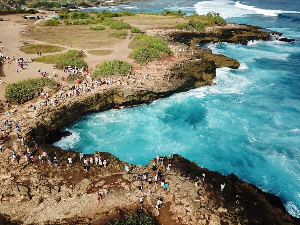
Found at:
<point>247,124</point>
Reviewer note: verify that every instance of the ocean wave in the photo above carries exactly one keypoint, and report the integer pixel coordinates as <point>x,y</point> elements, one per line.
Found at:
<point>69,142</point>
<point>230,9</point>
<point>243,66</point>
<point>292,208</point>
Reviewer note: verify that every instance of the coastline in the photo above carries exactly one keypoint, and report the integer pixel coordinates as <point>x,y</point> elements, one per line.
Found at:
<point>49,119</point>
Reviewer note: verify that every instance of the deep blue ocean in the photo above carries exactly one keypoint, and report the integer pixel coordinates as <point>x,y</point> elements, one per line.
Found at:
<point>247,124</point>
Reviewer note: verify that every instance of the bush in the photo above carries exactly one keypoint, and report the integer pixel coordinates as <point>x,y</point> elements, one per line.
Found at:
<point>193,25</point>
<point>109,68</point>
<point>45,4</point>
<point>121,35</point>
<point>78,15</point>
<point>73,62</point>
<point>52,22</point>
<point>135,219</point>
<point>136,30</point>
<point>173,13</point>
<point>98,28</point>
<point>213,18</point>
<point>115,24</point>
<point>68,22</point>
<point>148,48</point>
<point>71,58</point>
<point>28,89</point>
<point>144,55</point>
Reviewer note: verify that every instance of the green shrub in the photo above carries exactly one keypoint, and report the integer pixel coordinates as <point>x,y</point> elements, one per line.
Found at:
<point>52,22</point>
<point>136,30</point>
<point>26,90</point>
<point>109,68</point>
<point>75,15</point>
<point>184,26</point>
<point>193,25</point>
<point>73,62</point>
<point>115,24</point>
<point>98,28</point>
<point>148,48</point>
<point>135,219</point>
<point>70,58</point>
<point>213,18</point>
<point>173,13</point>
<point>108,14</point>
<point>144,55</point>
<point>45,4</point>
<point>68,22</point>
<point>74,54</point>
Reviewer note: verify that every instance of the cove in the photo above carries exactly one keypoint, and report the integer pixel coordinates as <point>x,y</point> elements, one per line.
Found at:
<point>241,125</point>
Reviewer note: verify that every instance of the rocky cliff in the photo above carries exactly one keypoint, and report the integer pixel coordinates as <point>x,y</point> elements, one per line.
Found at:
<point>45,194</point>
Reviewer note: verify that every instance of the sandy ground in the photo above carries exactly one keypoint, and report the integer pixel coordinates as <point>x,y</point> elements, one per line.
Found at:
<point>11,41</point>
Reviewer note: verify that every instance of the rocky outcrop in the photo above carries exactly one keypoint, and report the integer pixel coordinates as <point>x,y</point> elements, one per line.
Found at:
<point>68,193</point>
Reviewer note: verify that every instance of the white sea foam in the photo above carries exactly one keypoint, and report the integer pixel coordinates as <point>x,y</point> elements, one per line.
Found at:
<point>292,208</point>
<point>243,66</point>
<point>69,142</point>
<point>131,7</point>
<point>229,9</point>
<point>254,42</point>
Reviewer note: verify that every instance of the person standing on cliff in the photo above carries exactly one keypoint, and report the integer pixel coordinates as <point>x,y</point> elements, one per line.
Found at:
<point>222,186</point>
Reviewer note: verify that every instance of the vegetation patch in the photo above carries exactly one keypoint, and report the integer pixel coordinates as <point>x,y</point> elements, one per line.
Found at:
<point>8,10</point>
<point>121,35</point>
<point>173,13</point>
<point>199,22</point>
<point>26,90</point>
<point>108,68</point>
<point>148,48</point>
<point>71,58</point>
<point>52,22</point>
<point>34,48</point>
<point>115,24</point>
<point>134,219</point>
<point>98,28</point>
<point>45,5</point>
<point>136,30</point>
<point>100,52</point>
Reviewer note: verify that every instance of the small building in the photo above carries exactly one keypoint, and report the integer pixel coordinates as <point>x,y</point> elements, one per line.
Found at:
<point>32,17</point>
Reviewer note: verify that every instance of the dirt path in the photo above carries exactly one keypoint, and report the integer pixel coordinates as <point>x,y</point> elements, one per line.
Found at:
<point>12,41</point>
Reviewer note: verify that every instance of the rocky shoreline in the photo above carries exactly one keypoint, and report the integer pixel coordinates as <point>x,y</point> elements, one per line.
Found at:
<point>46,194</point>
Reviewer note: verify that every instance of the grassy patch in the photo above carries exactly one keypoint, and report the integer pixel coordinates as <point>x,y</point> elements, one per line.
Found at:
<point>199,22</point>
<point>115,24</point>
<point>34,48</point>
<point>100,52</point>
<point>141,218</point>
<point>48,59</point>
<point>121,35</point>
<point>148,48</point>
<point>98,28</point>
<point>136,30</point>
<point>71,58</point>
<point>109,68</point>
<point>26,90</point>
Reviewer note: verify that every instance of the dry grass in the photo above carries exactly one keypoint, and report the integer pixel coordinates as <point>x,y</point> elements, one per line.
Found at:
<point>100,52</point>
<point>33,48</point>
<point>77,36</point>
<point>80,36</point>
